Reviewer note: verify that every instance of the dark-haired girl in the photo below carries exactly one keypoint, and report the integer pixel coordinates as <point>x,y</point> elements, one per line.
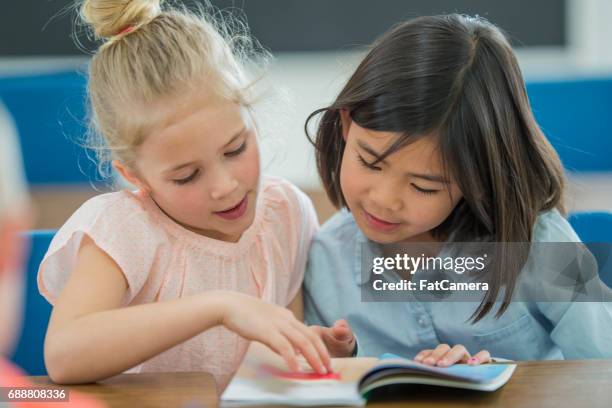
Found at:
<point>433,140</point>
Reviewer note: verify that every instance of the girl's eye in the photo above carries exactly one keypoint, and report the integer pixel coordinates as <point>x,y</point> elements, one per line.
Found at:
<point>187,179</point>
<point>366,164</point>
<point>423,190</point>
<point>236,152</point>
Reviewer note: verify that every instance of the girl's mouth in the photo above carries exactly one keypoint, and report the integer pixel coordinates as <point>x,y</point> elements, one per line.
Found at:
<point>236,211</point>
<point>378,224</point>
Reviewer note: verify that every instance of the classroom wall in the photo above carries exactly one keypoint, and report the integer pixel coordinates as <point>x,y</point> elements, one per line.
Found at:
<point>557,40</point>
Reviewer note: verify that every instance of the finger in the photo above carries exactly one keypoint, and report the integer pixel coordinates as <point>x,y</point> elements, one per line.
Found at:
<point>284,348</point>
<point>337,348</point>
<point>455,355</point>
<point>341,323</point>
<point>481,357</point>
<point>318,343</point>
<point>305,345</point>
<point>422,355</point>
<point>437,354</point>
<point>340,340</point>
<point>324,333</point>
<point>337,337</point>
<point>342,332</point>
<point>318,330</point>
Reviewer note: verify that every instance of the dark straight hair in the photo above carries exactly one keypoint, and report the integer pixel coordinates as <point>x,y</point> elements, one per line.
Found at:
<point>457,78</point>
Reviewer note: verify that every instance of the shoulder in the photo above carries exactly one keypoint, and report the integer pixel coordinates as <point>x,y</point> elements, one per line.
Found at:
<point>340,228</point>
<point>119,225</point>
<point>552,226</point>
<point>283,202</point>
<point>334,267</point>
<point>120,213</point>
<point>114,202</point>
<point>339,235</point>
<point>278,190</point>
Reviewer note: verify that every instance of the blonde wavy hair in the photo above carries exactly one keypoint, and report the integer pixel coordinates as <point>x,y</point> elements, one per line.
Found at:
<point>151,52</point>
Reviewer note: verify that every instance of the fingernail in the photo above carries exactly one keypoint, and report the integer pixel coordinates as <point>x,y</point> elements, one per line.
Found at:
<point>443,362</point>
<point>472,360</point>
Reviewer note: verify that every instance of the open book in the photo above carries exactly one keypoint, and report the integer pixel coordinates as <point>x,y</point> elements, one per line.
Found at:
<point>263,379</point>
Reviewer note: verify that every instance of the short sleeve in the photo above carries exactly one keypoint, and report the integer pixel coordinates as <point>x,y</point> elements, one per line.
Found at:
<point>290,222</point>
<point>118,225</point>
<point>307,227</point>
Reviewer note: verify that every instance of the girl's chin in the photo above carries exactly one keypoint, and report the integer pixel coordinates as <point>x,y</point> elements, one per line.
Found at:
<point>382,239</point>
<point>230,230</point>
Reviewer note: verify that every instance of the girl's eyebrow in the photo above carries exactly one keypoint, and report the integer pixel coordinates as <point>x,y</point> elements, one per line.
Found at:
<point>180,166</point>
<point>183,165</point>
<point>430,177</point>
<point>236,136</point>
<point>369,150</point>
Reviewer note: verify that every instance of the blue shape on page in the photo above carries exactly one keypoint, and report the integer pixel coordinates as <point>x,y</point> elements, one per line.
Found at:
<point>389,356</point>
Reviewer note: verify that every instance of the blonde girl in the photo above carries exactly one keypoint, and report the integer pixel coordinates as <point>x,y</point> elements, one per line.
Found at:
<point>205,254</point>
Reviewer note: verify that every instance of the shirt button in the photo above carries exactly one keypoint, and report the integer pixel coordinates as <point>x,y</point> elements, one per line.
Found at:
<point>422,321</point>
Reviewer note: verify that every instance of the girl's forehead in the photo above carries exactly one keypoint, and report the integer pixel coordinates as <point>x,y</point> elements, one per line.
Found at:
<point>182,103</point>
<point>422,148</point>
<point>201,127</point>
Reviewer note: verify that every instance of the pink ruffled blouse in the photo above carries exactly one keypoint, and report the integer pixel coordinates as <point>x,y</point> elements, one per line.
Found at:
<point>162,260</point>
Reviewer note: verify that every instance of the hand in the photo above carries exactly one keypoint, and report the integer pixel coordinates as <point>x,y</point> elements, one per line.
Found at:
<point>277,328</point>
<point>339,339</point>
<point>445,356</point>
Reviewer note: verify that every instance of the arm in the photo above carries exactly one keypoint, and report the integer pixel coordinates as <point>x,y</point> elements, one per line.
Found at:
<point>88,326</point>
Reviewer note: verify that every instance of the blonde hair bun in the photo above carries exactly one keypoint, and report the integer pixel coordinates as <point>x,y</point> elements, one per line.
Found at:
<point>108,18</point>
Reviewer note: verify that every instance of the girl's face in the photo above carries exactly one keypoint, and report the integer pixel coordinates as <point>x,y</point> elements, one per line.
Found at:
<point>401,198</point>
<point>201,166</point>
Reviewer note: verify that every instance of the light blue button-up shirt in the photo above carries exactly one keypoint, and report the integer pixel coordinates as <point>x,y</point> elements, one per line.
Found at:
<point>526,331</point>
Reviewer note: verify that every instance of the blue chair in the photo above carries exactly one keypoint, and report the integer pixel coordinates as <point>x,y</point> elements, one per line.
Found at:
<point>29,353</point>
<point>575,116</point>
<point>595,230</point>
<point>50,114</point>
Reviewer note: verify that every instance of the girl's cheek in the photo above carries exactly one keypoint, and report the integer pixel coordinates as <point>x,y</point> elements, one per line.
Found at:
<point>437,212</point>
<point>248,170</point>
<point>352,181</point>
<point>188,200</point>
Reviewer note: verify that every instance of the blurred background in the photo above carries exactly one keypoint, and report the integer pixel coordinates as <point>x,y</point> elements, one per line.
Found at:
<point>563,48</point>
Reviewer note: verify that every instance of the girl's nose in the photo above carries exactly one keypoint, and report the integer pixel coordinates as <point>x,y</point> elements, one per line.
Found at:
<point>387,197</point>
<point>223,184</point>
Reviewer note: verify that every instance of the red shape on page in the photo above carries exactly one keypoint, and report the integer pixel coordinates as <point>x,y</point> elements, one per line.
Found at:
<point>289,375</point>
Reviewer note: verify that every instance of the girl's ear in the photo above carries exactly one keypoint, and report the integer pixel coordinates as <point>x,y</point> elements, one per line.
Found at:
<point>345,122</point>
<point>130,176</point>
